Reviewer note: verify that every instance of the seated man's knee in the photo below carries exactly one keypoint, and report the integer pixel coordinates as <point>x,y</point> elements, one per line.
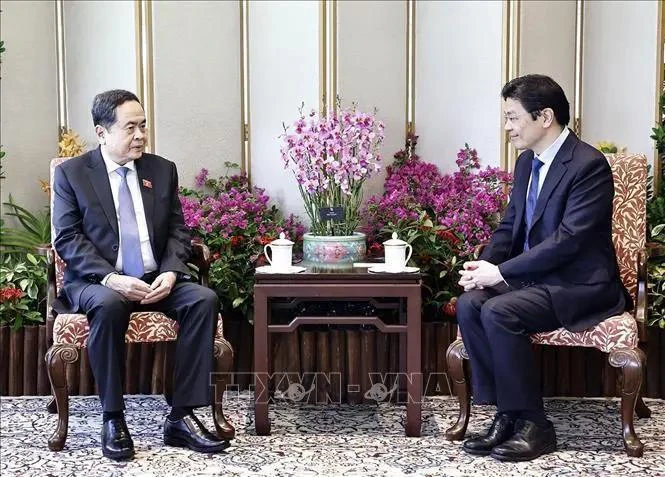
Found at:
<point>206,298</point>
<point>496,312</point>
<point>110,307</point>
<point>468,304</point>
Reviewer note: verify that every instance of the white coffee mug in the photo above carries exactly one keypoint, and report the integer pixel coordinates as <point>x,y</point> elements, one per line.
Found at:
<point>396,254</point>
<point>282,253</point>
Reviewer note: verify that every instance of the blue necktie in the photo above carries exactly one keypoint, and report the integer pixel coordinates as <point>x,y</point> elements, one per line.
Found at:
<point>531,198</point>
<point>132,261</point>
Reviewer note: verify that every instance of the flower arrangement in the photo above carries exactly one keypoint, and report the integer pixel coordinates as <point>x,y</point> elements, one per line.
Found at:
<point>235,221</point>
<point>331,156</point>
<point>443,216</point>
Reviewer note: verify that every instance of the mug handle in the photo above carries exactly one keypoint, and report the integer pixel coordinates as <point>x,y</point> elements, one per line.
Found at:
<point>408,256</point>
<point>265,252</point>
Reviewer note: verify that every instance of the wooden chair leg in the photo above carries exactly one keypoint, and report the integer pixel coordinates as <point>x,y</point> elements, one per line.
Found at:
<point>458,372</point>
<point>57,358</point>
<point>641,408</point>
<point>632,364</point>
<point>221,379</point>
<point>169,365</point>
<point>52,406</point>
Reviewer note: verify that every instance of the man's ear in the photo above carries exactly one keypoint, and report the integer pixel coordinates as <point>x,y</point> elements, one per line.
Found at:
<point>548,117</point>
<point>100,132</point>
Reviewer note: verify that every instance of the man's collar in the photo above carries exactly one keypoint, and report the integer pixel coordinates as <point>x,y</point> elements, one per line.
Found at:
<point>111,166</point>
<point>548,155</point>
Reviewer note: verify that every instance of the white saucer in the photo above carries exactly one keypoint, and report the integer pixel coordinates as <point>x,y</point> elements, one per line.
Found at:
<point>381,268</point>
<point>270,269</point>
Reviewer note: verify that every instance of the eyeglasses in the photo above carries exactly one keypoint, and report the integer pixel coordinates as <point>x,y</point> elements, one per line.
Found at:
<point>514,117</point>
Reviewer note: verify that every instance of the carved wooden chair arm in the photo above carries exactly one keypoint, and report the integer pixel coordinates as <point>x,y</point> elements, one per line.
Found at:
<point>201,260</point>
<point>641,302</point>
<point>479,249</point>
<point>47,251</point>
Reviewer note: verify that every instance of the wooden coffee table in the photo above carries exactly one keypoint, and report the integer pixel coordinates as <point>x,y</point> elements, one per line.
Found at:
<point>351,284</point>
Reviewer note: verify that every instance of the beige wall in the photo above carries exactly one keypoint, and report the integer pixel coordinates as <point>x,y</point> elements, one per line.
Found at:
<point>100,55</point>
<point>458,80</point>
<point>283,73</point>
<point>29,126</point>
<point>197,85</point>
<point>619,75</point>
<point>197,77</point>
<point>547,42</point>
<point>372,69</point>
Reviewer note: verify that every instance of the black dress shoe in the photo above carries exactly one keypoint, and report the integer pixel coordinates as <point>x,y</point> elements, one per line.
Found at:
<point>190,432</point>
<point>501,430</point>
<point>116,442</point>
<point>530,441</point>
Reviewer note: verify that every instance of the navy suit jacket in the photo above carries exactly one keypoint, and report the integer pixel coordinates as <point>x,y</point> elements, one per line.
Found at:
<point>571,252</point>
<point>86,226</point>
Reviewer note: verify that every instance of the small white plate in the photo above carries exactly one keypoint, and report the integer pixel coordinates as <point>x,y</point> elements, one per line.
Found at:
<point>381,268</point>
<point>270,269</point>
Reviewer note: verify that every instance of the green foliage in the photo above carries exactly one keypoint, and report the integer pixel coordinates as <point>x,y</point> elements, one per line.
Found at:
<point>656,216</point>
<point>35,229</point>
<point>2,153</point>
<point>22,290</point>
<point>2,156</point>
<point>659,131</point>
<point>656,283</point>
<point>657,294</point>
<point>435,252</point>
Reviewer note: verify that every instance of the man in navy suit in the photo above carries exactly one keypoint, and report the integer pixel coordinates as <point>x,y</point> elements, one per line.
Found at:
<point>120,230</point>
<point>550,264</point>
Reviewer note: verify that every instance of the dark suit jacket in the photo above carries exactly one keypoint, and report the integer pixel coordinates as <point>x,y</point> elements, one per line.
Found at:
<point>86,227</point>
<point>571,251</point>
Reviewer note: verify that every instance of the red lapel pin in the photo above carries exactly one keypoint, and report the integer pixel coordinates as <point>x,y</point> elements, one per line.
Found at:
<point>147,183</point>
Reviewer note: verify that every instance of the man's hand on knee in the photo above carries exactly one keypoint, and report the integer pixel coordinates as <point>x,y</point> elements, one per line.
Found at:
<point>160,288</point>
<point>479,274</point>
<point>131,288</point>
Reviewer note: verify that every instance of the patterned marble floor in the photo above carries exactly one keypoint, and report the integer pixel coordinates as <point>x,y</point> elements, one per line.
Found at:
<point>307,440</point>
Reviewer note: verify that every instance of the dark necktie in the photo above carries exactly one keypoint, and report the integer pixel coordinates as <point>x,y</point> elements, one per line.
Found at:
<point>532,198</point>
<point>132,261</point>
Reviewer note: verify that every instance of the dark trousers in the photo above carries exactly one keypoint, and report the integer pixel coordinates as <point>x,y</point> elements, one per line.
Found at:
<point>495,324</point>
<point>195,309</point>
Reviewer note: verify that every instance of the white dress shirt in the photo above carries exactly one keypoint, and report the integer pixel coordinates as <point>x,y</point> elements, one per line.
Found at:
<point>149,263</point>
<point>546,157</point>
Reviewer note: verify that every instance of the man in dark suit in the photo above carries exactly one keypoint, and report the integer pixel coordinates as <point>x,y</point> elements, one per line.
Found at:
<point>550,264</point>
<point>120,230</point>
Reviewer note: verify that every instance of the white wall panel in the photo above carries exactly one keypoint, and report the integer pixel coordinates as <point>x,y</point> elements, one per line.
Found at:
<point>619,73</point>
<point>283,73</point>
<point>29,106</point>
<point>197,85</point>
<point>372,68</point>
<point>100,54</point>
<point>547,42</point>
<point>458,80</point>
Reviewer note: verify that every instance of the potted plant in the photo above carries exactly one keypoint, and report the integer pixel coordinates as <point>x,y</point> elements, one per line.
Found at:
<point>331,156</point>
<point>22,308</point>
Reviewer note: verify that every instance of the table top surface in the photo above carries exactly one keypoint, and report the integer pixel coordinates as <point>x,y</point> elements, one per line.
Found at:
<point>317,273</point>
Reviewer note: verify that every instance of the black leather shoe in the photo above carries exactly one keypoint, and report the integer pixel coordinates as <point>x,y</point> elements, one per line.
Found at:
<point>501,430</point>
<point>530,441</point>
<point>116,442</point>
<point>190,432</point>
